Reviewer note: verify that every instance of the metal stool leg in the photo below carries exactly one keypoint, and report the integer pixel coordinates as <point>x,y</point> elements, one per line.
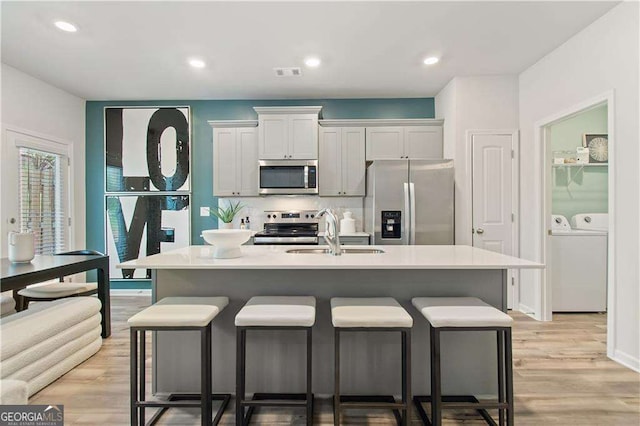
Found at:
<point>509,377</point>
<point>133,376</point>
<point>240,374</point>
<point>142,374</point>
<point>406,377</point>
<point>500,338</point>
<point>205,373</point>
<point>309,379</point>
<point>336,391</point>
<point>436,397</point>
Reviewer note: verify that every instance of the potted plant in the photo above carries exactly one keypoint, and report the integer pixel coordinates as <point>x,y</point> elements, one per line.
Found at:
<point>225,215</point>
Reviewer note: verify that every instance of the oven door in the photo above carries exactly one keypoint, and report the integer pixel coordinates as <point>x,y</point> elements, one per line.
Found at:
<point>288,177</point>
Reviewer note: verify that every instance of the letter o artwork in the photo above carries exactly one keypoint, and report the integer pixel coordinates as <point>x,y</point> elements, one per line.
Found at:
<point>161,120</point>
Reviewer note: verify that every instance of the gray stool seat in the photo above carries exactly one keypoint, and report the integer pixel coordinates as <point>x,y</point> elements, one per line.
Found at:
<point>460,312</point>
<point>180,312</point>
<point>368,312</point>
<point>451,314</point>
<point>175,314</point>
<point>291,313</point>
<point>278,311</point>
<point>357,314</point>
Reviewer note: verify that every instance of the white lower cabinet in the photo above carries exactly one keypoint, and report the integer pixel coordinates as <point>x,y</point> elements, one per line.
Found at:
<point>235,162</point>
<point>341,162</point>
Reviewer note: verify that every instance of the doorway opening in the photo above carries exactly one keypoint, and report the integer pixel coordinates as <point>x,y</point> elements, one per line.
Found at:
<point>577,211</point>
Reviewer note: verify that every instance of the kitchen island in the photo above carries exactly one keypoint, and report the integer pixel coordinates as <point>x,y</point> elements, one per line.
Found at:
<point>371,362</point>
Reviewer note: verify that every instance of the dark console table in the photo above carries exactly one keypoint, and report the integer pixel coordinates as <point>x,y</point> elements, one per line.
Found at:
<point>15,276</point>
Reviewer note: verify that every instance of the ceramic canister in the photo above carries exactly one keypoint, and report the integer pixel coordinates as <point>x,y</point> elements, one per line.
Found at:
<point>348,224</point>
<point>21,247</point>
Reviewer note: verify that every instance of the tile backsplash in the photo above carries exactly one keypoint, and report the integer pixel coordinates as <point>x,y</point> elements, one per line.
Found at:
<point>256,206</point>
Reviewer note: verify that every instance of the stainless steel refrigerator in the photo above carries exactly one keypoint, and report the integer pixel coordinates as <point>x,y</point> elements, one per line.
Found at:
<point>410,202</point>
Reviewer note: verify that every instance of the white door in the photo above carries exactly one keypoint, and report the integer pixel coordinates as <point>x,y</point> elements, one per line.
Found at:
<point>54,234</point>
<point>493,210</point>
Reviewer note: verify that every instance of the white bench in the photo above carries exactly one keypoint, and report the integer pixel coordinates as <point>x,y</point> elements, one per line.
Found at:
<point>47,340</point>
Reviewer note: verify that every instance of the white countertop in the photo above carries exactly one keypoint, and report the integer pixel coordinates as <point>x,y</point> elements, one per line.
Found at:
<point>275,257</point>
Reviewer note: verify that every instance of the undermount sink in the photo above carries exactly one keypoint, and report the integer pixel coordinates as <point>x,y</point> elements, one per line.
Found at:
<point>344,251</point>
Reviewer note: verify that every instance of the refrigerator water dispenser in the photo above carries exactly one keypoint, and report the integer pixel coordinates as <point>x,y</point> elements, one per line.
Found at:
<point>391,224</point>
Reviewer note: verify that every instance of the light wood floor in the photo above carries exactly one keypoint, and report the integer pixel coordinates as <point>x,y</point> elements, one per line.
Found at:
<point>562,377</point>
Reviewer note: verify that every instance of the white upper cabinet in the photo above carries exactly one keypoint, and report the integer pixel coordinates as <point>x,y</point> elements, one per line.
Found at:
<point>303,139</point>
<point>330,162</point>
<point>385,143</point>
<point>235,159</point>
<point>224,162</point>
<point>353,161</point>
<point>423,142</point>
<point>273,137</point>
<point>342,161</point>
<point>247,165</point>
<point>408,139</point>
<point>287,133</point>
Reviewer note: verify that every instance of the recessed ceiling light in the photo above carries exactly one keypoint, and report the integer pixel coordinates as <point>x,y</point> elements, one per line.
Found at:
<point>197,63</point>
<point>312,62</point>
<point>66,26</point>
<point>431,60</point>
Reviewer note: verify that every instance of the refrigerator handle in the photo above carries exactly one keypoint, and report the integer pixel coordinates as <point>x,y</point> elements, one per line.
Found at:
<point>406,238</point>
<point>412,198</point>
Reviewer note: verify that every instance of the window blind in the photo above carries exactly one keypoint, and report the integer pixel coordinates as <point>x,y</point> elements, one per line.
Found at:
<point>43,199</point>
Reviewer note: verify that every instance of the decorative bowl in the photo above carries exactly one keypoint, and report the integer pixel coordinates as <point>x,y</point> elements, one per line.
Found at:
<point>226,242</point>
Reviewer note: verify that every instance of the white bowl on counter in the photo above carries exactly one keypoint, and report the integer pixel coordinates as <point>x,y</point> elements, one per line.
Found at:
<point>226,242</point>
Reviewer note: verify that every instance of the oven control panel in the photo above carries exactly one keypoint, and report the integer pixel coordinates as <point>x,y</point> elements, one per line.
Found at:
<point>291,216</point>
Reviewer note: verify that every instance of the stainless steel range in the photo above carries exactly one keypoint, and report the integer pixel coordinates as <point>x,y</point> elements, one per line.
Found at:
<point>288,227</point>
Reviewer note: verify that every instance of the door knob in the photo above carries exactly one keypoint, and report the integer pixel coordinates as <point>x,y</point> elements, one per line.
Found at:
<point>480,231</point>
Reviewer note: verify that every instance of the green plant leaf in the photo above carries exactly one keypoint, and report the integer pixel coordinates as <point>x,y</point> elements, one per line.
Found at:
<point>227,214</point>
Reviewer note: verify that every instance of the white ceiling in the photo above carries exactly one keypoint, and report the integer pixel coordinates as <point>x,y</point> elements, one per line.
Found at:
<point>139,50</point>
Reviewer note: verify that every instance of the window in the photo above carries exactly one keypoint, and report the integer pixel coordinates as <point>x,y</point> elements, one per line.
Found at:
<point>43,198</point>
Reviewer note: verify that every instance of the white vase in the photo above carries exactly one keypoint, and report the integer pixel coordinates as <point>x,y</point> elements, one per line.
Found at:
<point>224,225</point>
<point>21,247</point>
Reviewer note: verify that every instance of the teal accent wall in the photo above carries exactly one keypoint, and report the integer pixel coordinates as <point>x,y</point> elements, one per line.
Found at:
<point>579,190</point>
<point>202,147</point>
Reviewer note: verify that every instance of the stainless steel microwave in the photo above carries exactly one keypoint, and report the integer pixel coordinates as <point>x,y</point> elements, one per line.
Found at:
<point>288,177</point>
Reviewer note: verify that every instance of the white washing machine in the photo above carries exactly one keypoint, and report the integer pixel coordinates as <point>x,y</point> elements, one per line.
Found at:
<point>579,263</point>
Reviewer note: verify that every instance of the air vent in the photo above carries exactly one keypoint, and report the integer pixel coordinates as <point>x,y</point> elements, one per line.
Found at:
<point>288,72</point>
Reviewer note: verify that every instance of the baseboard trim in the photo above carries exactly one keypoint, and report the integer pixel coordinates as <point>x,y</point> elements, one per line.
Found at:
<point>527,310</point>
<point>626,360</point>
<point>130,292</point>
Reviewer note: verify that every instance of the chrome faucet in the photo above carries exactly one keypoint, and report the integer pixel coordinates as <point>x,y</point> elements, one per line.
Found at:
<point>331,232</point>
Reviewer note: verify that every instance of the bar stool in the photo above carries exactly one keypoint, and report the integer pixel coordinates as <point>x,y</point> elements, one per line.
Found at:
<point>295,313</point>
<point>176,313</point>
<point>466,314</point>
<point>372,314</point>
